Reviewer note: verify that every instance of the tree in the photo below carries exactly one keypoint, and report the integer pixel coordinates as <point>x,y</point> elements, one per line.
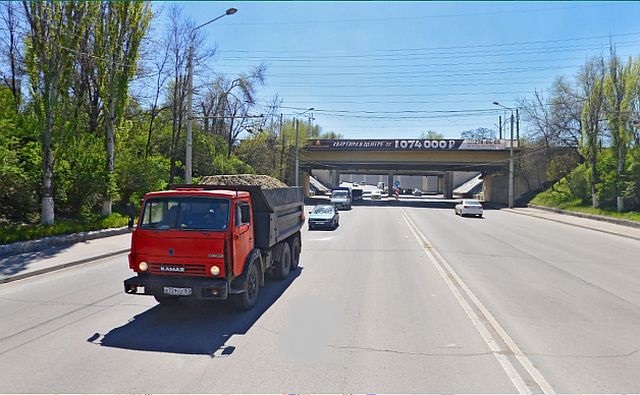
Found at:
<point>12,50</point>
<point>591,80</point>
<point>55,29</point>
<point>431,135</point>
<point>119,31</point>
<point>618,92</point>
<point>479,134</point>
<point>234,99</point>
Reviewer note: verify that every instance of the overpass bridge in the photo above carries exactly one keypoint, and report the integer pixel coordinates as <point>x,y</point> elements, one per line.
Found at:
<point>425,157</point>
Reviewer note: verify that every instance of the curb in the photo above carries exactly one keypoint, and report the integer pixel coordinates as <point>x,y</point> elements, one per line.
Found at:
<point>558,211</point>
<point>61,266</point>
<point>616,221</point>
<point>21,247</point>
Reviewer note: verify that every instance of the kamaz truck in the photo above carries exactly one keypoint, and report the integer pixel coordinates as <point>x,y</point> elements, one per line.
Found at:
<point>215,242</point>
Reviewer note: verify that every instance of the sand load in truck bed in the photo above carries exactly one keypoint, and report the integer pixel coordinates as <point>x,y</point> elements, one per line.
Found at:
<point>263,181</point>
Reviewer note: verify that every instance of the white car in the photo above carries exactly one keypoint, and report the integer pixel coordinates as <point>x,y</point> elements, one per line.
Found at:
<point>469,207</point>
<point>377,194</point>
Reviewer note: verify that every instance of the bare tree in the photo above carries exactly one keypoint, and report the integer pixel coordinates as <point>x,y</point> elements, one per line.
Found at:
<point>10,41</point>
<point>233,101</point>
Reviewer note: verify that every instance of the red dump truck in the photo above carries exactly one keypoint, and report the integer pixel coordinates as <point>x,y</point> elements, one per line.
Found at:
<point>215,242</point>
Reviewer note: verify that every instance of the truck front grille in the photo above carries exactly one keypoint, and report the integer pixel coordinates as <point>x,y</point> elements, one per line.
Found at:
<point>191,269</point>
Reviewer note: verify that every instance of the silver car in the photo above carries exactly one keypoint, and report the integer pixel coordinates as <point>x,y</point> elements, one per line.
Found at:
<point>324,216</point>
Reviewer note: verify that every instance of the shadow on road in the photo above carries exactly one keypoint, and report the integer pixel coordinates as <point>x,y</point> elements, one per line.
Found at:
<point>15,264</point>
<point>193,327</point>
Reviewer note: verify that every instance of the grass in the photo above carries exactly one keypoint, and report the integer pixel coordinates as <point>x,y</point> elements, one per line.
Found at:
<point>13,233</point>
<point>559,197</point>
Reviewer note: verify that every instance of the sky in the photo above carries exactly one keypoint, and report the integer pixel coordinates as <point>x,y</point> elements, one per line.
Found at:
<point>398,69</point>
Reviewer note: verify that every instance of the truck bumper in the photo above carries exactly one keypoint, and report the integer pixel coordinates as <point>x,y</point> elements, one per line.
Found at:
<point>200,288</point>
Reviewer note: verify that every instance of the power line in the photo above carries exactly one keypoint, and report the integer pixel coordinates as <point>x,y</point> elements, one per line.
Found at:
<point>406,18</point>
<point>317,52</point>
<point>430,56</point>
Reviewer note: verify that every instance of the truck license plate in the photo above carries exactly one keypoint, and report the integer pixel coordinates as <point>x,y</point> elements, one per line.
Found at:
<point>177,291</point>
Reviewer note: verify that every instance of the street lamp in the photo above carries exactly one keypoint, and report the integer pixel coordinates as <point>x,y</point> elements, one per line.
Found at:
<point>188,162</point>
<point>297,176</point>
<point>510,198</point>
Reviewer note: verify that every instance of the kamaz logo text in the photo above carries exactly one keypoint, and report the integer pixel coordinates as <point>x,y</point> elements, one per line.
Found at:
<point>172,269</point>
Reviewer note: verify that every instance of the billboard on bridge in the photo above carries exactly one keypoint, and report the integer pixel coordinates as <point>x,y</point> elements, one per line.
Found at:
<point>405,145</point>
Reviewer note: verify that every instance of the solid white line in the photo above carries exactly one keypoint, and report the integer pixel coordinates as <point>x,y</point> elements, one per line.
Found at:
<point>449,275</point>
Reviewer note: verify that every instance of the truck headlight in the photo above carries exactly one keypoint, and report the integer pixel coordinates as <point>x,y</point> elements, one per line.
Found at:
<point>143,266</point>
<point>215,270</point>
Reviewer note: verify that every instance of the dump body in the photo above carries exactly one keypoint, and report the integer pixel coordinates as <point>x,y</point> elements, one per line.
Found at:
<point>278,212</point>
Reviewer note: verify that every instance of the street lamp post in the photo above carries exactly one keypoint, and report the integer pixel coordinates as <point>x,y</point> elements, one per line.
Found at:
<point>511,170</point>
<point>189,144</point>
<point>297,169</point>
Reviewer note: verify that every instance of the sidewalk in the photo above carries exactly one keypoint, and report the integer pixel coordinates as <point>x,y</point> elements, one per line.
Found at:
<point>15,267</point>
<point>604,226</point>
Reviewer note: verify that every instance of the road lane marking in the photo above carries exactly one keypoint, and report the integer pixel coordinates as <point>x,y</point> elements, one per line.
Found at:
<point>458,287</point>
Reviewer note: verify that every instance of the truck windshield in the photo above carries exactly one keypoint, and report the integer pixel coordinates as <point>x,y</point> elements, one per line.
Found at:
<point>340,194</point>
<point>188,213</point>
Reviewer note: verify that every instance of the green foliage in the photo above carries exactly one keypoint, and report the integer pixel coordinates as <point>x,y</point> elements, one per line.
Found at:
<point>560,165</point>
<point>578,184</point>
<point>232,165</point>
<point>14,233</point>
<point>431,135</point>
<point>80,175</point>
<point>574,190</point>
<point>259,152</point>
<point>20,169</point>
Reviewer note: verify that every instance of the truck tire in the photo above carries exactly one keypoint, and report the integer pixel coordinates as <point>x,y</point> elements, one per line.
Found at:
<point>247,299</point>
<point>166,300</point>
<point>283,266</point>
<point>295,253</point>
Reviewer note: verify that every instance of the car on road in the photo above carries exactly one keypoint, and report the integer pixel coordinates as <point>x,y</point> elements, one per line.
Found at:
<point>469,207</point>
<point>417,192</point>
<point>341,198</point>
<point>377,194</point>
<point>324,216</point>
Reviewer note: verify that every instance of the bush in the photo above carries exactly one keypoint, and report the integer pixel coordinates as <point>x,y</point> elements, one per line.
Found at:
<point>578,183</point>
<point>13,233</point>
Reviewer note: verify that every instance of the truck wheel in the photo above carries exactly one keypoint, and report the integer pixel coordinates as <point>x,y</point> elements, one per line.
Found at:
<point>283,267</point>
<point>166,300</point>
<point>295,253</point>
<point>249,297</point>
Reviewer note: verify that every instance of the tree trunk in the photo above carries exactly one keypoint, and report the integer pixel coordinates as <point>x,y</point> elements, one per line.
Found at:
<point>47,216</point>
<point>110,121</point>
<point>594,180</point>
<point>621,160</point>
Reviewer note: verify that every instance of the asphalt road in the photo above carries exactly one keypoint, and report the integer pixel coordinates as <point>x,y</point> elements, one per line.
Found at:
<point>397,299</point>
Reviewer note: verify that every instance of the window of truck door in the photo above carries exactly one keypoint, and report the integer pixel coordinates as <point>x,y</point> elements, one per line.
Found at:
<point>242,235</point>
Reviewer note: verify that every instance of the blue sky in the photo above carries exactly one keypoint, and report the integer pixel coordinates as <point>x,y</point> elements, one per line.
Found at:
<point>397,69</point>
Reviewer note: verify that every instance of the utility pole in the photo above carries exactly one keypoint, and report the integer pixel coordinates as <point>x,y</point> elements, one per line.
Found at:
<point>297,156</point>
<point>189,142</point>
<point>282,151</point>
<point>517,127</point>
<point>500,126</point>
<point>511,170</point>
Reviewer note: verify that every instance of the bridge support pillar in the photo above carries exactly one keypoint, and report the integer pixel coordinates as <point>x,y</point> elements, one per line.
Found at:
<point>447,185</point>
<point>335,178</point>
<point>305,182</point>
<point>390,183</point>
